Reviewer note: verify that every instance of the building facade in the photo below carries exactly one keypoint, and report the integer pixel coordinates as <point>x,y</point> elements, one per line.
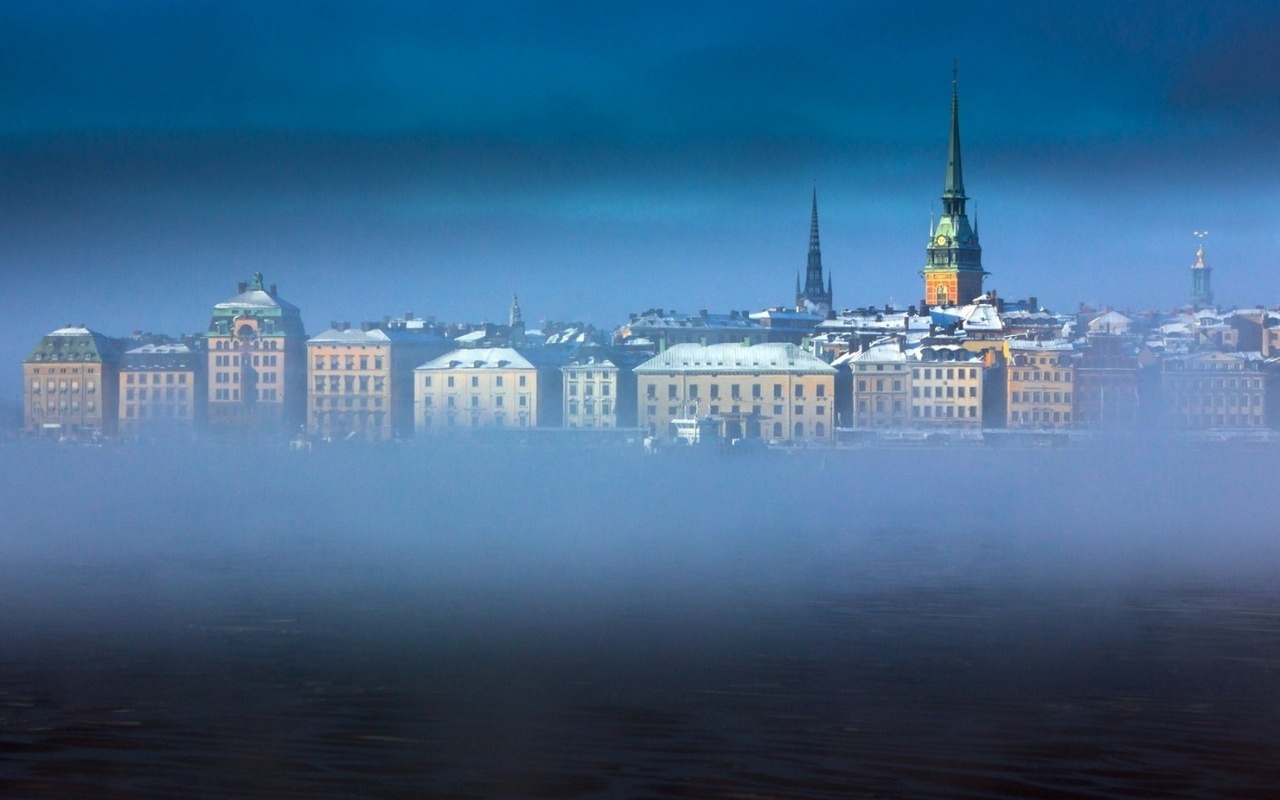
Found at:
<point>881,385</point>
<point>476,388</point>
<point>946,387</point>
<point>771,391</point>
<point>598,392</point>
<point>953,258</point>
<point>256,351</point>
<point>360,380</point>
<point>161,390</point>
<point>1215,390</point>
<point>1040,385</point>
<point>71,383</point>
<point>1106,383</point>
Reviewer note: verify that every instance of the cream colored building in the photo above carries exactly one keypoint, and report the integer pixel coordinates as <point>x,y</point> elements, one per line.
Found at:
<point>360,380</point>
<point>1040,385</point>
<point>772,391</point>
<point>161,390</point>
<point>881,379</point>
<point>946,387</point>
<point>598,394</point>
<point>498,387</point>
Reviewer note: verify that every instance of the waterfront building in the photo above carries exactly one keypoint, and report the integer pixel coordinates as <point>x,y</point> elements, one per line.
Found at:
<point>161,390</point>
<point>881,384</point>
<point>1040,384</point>
<point>1215,390</point>
<point>360,380</point>
<point>946,386</point>
<point>773,391</point>
<point>256,351</point>
<point>500,387</point>
<point>953,258</point>
<point>1106,382</point>
<point>599,390</point>
<point>71,383</point>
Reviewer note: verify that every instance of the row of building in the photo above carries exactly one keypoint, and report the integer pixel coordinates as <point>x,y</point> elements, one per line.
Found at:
<point>960,359</point>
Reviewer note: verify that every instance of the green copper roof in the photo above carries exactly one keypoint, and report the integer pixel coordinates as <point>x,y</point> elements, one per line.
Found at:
<point>76,343</point>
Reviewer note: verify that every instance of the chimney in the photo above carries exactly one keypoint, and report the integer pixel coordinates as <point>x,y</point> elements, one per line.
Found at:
<point>408,315</point>
<point>242,287</point>
<point>367,326</point>
<point>272,290</point>
<point>337,326</point>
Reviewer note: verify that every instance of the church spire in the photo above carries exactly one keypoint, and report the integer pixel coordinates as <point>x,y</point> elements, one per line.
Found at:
<point>953,190</point>
<point>815,296</point>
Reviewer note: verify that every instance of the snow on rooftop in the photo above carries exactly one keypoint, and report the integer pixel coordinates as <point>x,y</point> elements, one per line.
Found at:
<point>734,357</point>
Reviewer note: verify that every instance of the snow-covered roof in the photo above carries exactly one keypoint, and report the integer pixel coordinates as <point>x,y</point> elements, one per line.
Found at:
<point>176,348</point>
<point>735,357</point>
<point>254,298</point>
<point>1048,345</point>
<point>473,358</point>
<point>884,351</point>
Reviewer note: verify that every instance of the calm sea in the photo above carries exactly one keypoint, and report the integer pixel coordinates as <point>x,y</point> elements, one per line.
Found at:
<point>411,625</point>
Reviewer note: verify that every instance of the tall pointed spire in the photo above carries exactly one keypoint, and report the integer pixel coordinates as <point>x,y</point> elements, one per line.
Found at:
<point>953,261</point>
<point>953,190</point>
<point>815,296</point>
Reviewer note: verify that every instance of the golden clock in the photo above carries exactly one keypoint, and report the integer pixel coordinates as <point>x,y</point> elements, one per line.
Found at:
<point>941,240</point>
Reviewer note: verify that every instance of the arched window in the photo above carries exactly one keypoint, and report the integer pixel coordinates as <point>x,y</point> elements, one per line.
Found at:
<point>777,430</point>
<point>799,430</point>
<point>819,430</point>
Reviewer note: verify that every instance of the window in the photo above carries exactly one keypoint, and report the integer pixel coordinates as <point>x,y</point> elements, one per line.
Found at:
<point>475,380</point>
<point>497,380</point>
<point>671,391</point>
<point>522,379</point>
<point>777,391</point>
<point>449,381</point>
<point>426,381</point>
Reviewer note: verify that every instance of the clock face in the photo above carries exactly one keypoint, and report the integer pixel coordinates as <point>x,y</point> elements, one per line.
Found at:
<point>941,240</point>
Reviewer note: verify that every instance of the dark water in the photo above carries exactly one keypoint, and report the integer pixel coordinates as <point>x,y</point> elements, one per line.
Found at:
<point>781,629</point>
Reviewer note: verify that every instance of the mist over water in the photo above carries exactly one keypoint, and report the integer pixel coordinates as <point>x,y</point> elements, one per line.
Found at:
<point>524,622</point>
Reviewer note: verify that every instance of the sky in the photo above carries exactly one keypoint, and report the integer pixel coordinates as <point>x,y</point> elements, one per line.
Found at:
<point>373,158</point>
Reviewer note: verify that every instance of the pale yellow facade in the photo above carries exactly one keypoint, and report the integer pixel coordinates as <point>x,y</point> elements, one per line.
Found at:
<point>473,389</point>
<point>590,395</point>
<point>946,394</point>
<point>1040,385</point>
<point>770,391</point>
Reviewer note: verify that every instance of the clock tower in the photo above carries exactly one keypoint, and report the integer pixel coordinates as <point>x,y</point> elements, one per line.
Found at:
<point>953,269</point>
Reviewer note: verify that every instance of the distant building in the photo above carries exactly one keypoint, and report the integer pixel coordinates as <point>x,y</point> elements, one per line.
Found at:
<point>772,391</point>
<point>500,387</point>
<point>881,384</point>
<point>1201,283</point>
<point>360,380</point>
<point>953,259</point>
<point>256,349</point>
<point>71,383</point>
<point>161,390</point>
<point>946,387</point>
<point>1215,390</point>
<point>599,390</point>
<point>1040,385</point>
<point>1106,382</point>
<point>656,330</point>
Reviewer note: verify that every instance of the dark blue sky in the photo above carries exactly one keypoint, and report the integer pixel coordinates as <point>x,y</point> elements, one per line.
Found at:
<point>374,158</point>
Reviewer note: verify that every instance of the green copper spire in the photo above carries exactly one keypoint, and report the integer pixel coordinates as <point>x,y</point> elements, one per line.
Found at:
<point>953,190</point>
